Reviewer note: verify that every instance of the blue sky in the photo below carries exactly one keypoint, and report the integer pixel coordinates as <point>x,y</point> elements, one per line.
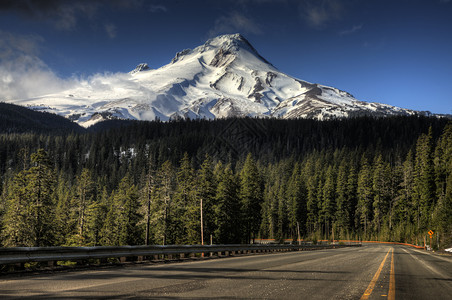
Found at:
<point>397,52</point>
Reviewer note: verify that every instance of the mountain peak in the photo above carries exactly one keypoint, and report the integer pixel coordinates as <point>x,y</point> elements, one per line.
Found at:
<point>224,77</point>
<point>234,42</point>
<point>226,49</point>
<point>139,68</point>
<point>227,38</point>
<point>231,44</point>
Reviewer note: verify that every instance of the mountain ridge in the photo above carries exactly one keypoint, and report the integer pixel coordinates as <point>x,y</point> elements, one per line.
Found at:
<point>224,77</point>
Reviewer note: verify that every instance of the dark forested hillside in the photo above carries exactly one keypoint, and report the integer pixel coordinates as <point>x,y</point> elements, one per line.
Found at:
<point>368,178</point>
<point>14,118</point>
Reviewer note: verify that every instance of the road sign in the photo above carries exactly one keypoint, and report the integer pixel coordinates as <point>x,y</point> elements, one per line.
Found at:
<point>431,233</point>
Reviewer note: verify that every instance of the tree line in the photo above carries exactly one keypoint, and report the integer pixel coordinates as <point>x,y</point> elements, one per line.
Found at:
<point>152,183</point>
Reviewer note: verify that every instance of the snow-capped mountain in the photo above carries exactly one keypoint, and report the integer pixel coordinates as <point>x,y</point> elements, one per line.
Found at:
<point>225,77</point>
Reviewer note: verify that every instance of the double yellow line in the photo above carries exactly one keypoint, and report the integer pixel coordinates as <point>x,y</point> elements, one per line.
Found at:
<point>373,282</point>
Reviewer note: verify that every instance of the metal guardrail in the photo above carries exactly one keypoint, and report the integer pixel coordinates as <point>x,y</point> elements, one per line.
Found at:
<point>42,254</point>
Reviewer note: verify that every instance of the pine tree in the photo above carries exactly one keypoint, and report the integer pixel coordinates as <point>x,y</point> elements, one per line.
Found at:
<point>342,215</point>
<point>424,181</point>
<point>147,195</point>
<point>364,193</point>
<point>205,194</point>
<point>94,223</point>
<point>312,182</point>
<point>381,191</point>
<point>296,194</point>
<point>404,206</point>
<point>227,208</point>
<point>128,198</point>
<point>282,215</point>
<point>163,204</point>
<point>83,198</point>
<point>251,197</point>
<point>185,205</point>
<point>442,216</point>
<point>121,221</point>
<point>109,234</point>
<point>329,200</point>
<point>269,208</point>
<point>30,211</point>
<point>64,224</point>
<point>17,231</point>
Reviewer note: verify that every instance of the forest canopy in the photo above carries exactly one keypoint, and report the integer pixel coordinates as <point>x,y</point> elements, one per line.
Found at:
<point>386,179</point>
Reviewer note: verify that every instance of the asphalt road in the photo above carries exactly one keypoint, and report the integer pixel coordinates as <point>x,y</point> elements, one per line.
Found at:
<point>368,272</point>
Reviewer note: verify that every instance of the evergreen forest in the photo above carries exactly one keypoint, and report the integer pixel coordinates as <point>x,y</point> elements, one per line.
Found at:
<point>386,179</point>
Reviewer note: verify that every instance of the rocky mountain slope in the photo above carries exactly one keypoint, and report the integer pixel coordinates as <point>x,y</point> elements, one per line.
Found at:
<point>225,77</point>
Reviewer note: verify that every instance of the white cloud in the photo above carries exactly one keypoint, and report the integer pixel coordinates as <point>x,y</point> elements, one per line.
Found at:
<point>351,30</point>
<point>111,30</point>
<point>66,14</point>
<point>22,73</point>
<point>318,13</point>
<point>246,2</point>
<point>157,8</point>
<point>234,22</point>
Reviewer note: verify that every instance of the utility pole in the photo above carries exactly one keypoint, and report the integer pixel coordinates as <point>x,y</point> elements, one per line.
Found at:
<point>148,217</point>
<point>298,230</point>
<point>202,226</point>
<point>333,232</point>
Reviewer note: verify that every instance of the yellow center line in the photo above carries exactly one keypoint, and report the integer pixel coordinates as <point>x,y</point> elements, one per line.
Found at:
<point>372,283</point>
<point>391,292</point>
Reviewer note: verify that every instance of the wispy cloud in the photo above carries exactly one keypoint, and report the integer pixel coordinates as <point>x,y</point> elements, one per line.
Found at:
<point>234,22</point>
<point>22,73</point>
<point>157,8</point>
<point>246,2</point>
<point>318,13</point>
<point>65,14</point>
<point>352,30</point>
<point>111,30</point>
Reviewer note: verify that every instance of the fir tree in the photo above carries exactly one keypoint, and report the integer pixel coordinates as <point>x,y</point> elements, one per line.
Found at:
<point>343,204</point>
<point>364,193</point>
<point>205,193</point>
<point>251,197</point>
<point>227,208</point>
<point>83,198</point>
<point>328,200</point>
<point>424,192</point>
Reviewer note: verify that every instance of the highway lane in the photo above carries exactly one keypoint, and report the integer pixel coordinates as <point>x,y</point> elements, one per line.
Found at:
<point>369,272</point>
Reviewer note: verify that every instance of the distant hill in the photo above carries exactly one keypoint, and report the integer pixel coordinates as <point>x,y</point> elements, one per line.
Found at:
<point>19,119</point>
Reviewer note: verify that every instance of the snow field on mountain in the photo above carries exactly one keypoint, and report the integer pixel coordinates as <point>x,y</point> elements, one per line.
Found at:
<point>225,77</point>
